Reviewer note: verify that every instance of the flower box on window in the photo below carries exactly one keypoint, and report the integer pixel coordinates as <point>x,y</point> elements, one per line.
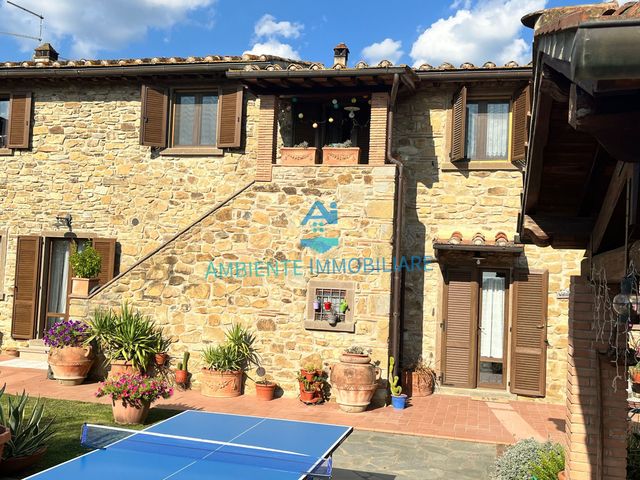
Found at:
<point>340,154</point>
<point>298,155</point>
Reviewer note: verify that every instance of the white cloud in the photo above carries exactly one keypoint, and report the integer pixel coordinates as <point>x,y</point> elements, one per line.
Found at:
<point>387,49</point>
<point>266,42</point>
<point>94,26</point>
<point>478,31</point>
<point>268,27</point>
<point>274,47</point>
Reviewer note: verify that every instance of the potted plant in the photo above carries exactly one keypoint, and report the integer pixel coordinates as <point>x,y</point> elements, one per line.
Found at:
<point>313,384</point>
<point>420,380</point>
<point>182,372</point>
<point>127,338</point>
<point>28,435</point>
<point>340,154</point>
<point>70,356</point>
<point>161,349</point>
<point>264,388</point>
<point>226,363</point>
<point>300,154</point>
<point>132,396</point>
<point>634,373</point>
<point>398,399</point>
<point>86,265</point>
<point>354,380</point>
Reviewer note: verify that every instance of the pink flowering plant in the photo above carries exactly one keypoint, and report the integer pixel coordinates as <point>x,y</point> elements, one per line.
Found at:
<point>66,333</point>
<point>134,390</point>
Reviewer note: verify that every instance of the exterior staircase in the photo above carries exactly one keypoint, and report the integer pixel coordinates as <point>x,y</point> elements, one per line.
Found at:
<point>35,350</point>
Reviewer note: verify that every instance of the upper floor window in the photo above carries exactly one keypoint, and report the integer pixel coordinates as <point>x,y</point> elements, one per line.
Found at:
<point>487,132</point>
<point>4,120</point>
<point>489,129</point>
<point>195,118</point>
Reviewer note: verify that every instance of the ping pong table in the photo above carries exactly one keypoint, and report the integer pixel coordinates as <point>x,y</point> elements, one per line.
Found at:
<point>228,447</point>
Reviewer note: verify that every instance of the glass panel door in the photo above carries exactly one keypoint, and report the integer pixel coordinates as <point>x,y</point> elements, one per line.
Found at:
<point>58,281</point>
<point>492,322</point>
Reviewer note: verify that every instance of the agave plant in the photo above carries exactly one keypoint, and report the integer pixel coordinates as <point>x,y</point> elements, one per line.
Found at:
<point>29,433</point>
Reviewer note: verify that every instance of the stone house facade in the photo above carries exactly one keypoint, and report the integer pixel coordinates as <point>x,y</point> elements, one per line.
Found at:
<point>174,168</point>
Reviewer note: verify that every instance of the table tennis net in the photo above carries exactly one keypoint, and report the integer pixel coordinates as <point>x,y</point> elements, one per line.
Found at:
<point>198,449</point>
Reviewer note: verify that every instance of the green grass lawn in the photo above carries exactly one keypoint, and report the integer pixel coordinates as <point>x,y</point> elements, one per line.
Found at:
<point>68,419</point>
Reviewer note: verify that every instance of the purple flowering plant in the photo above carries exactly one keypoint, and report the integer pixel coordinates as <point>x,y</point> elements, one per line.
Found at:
<point>66,333</point>
<point>134,390</point>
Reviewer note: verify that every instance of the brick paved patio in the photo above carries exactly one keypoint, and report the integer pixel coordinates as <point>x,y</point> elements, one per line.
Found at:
<point>441,416</point>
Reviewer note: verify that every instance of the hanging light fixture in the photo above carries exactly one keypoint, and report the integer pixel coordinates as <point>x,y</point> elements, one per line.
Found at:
<point>330,119</point>
<point>314,125</point>
<point>301,115</point>
<point>624,302</point>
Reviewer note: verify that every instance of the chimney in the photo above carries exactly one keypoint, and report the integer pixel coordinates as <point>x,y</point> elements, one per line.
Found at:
<point>341,55</point>
<point>45,53</point>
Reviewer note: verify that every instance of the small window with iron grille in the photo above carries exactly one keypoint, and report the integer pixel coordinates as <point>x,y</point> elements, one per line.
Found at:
<point>330,306</point>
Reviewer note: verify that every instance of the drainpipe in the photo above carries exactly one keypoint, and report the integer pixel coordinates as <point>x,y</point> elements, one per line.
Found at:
<point>395,327</point>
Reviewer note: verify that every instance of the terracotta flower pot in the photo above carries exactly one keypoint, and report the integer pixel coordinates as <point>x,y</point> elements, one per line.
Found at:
<point>265,391</point>
<point>71,365</point>
<point>5,436</point>
<point>416,384</point>
<point>80,287</point>
<point>126,414</point>
<point>308,397</point>
<point>309,374</point>
<point>298,155</point>
<point>118,367</point>
<point>182,376</point>
<point>354,381</point>
<point>562,475</point>
<point>17,464</point>
<point>161,359</point>
<point>221,384</point>
<point>340,156</point>
<point>635,377</point>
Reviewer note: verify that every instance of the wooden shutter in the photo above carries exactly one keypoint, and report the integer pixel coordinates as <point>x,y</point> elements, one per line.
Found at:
<point>106,247</point>
<point>229,117</point>
<point>19,120</point>
<point>153,125</point>
<point>520,125</point>
<point>460,330</point>
<point>529,334</point>
<point>459,125</point>
<point>25,291</point>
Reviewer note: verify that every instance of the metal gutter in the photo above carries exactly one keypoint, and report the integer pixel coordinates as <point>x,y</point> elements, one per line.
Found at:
<point>515,73</point>
<point>328,73</point>
<point>396,321</point>
<point>122,70</point>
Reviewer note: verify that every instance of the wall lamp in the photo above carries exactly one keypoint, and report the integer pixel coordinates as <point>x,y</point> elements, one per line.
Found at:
<point>624,302</point>
<point>66,220</point>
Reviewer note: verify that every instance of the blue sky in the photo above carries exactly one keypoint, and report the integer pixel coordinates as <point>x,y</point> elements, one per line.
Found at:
<point>404,31</point>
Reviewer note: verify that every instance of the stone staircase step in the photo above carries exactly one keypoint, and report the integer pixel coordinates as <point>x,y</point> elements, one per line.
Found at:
<point>34,353</point>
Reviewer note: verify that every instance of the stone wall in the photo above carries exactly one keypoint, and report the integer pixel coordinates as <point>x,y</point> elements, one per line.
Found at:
<point>86,160</point>
<point>264,224</point>
<point>441,200</point>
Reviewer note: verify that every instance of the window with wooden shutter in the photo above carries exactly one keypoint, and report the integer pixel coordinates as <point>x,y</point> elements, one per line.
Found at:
<point>520,124</point>
<point>230,117</point>
<point>529,334</point>
<point>155,107</point>
<point>25,292</point>
<point>106,247</point>
<point>460,328</point>
<point>19,120</point>
<point>459,125</point>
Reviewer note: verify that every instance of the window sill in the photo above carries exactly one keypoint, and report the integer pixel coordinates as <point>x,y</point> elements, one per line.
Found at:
<point>191,151</point>
<point>6,152</point>
<point>343,327</point>
<point>479,165</point>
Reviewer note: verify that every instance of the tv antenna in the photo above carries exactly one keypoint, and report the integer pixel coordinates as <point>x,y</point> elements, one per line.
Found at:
<point>30,12</point>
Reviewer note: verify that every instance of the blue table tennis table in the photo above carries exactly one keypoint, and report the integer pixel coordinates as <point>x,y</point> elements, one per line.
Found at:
<point>239,447</point>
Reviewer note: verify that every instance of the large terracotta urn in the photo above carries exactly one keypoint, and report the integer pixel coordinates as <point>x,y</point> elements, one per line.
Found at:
<point>127,414</point>
<point>354,381</point>
<point>221,384</point>
<point>71,365</point>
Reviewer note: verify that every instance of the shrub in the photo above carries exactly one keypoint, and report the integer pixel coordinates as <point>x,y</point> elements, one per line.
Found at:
<point>66,333</point>
<point>518,460</point>
<point>236,353</point>
<point>549,464</point>
<point>134,390</point>
<point>86,263</point>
